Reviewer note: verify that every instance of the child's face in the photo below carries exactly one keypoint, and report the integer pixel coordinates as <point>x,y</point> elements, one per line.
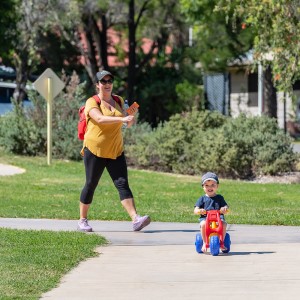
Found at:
<point>210,188</point>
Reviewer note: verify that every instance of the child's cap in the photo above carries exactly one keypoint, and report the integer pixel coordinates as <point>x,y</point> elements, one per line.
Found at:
<point>210,176</point>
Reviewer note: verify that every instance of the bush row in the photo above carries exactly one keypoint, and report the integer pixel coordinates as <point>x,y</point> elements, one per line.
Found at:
<point>195,142</point>
<point>189,143</point>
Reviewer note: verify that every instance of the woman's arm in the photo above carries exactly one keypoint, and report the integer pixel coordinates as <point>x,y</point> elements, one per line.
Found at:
<point>97,116</point>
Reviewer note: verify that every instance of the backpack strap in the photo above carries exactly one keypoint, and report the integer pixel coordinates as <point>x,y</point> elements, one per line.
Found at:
<point>118,99</point>
<point>97,98</point>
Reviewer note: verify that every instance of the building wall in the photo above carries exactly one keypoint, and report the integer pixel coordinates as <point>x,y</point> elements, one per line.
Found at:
<point>242,101</point>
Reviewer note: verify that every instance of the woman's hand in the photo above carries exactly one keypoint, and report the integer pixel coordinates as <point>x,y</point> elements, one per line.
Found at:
<point>131,121</point>
<point>128,119</point>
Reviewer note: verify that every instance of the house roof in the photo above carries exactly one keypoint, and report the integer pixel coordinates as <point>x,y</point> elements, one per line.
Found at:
<point>115,41</point>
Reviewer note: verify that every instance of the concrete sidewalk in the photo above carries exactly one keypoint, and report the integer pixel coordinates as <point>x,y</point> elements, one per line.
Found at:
<point>8,170</point>
<point>161,262</point>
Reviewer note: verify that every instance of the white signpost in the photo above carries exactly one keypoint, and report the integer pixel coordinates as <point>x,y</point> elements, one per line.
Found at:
<point>49,86</point>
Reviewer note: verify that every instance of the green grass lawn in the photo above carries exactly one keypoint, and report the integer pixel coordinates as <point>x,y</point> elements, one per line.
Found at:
<point>53,192</point>
<point>33,262</point>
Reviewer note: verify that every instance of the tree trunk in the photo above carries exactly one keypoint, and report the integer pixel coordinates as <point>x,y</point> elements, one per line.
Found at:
<point>22,71</point>
<point>103,42</point>
<point>90,53</point>
<point>270,95</point>
<point>132,54</point>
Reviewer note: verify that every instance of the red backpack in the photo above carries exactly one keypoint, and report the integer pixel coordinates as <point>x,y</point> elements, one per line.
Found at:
<point>82,123</point>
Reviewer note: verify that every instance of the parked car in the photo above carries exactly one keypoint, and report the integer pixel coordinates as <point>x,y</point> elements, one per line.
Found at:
<point>6,93</point>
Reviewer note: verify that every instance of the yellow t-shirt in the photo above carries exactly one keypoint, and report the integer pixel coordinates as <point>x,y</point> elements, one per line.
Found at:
<point>103,140</point>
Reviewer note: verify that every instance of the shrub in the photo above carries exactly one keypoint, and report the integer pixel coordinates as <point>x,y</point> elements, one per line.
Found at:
<point>195,142</point>
<point>19,134</point>
<point>24,131</point>
<point>254,146</point>
<point>165,147</point>
<point>189,143</point>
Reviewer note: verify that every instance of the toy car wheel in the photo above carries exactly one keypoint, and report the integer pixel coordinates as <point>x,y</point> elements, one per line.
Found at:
<point>199,243</point>
<point>227,243</point>
<point>214,245</point>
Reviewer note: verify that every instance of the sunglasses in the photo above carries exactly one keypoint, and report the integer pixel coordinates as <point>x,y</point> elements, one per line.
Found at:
<point>109,81</point>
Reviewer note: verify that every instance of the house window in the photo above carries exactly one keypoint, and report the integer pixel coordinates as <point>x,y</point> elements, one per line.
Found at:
<point>296,85</point>
<point>252,89</point>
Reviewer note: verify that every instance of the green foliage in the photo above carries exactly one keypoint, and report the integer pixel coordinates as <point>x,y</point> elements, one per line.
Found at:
<point>163,92</point>
<point>276,24</point>
<point>189,143</point>
<point>165,147</point>
<point>190,94</point>
<point>24,130</point>
<point>255,146</point>
<point>157,97</point>
<point>215,42</point>
<point>7,24</point>
<point>65,110</point>
<point>194,142</point>
<point>19,133</point>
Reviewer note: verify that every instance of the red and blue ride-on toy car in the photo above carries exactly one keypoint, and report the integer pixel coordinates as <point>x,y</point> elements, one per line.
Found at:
<point>213,235</point>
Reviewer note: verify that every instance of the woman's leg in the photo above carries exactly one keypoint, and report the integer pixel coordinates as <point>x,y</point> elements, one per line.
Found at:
<point>117,170</point>
<point>94,167</point>
<point>83,208</point>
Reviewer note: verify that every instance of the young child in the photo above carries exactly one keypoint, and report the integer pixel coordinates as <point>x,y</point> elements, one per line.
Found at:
<point>210,201</point>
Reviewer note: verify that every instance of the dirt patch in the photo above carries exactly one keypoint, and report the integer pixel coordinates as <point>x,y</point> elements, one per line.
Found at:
<point>293,177</point>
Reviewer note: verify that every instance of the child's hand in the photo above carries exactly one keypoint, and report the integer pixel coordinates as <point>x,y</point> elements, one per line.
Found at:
<point>224,209</point>
<point>199,211</point>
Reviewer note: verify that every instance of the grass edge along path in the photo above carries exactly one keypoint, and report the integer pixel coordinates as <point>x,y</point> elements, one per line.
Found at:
<point>33,262</point>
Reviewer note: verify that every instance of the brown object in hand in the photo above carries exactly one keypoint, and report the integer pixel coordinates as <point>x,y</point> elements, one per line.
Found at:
<point>132,109</point>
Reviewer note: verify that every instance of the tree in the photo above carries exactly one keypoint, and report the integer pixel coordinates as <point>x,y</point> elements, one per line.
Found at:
<point>27,18</point>
<point>223,35</point>
<point>45,27</point>
<point>215,43</point>
<point>7,21</point>
<point>87,28</point>
<point>277,31</point>
<point>132,45</point>
<point>85,24</point>
<point>159,21</point>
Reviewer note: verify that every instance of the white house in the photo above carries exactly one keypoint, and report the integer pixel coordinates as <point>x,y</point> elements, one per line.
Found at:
<point>237,91</point>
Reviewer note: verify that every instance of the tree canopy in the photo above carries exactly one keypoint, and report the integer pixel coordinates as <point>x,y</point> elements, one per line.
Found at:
<point>215,43</point>
<point>277,31</point>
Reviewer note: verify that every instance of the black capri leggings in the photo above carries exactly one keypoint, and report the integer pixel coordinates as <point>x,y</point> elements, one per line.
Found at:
<point>94,167</point>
